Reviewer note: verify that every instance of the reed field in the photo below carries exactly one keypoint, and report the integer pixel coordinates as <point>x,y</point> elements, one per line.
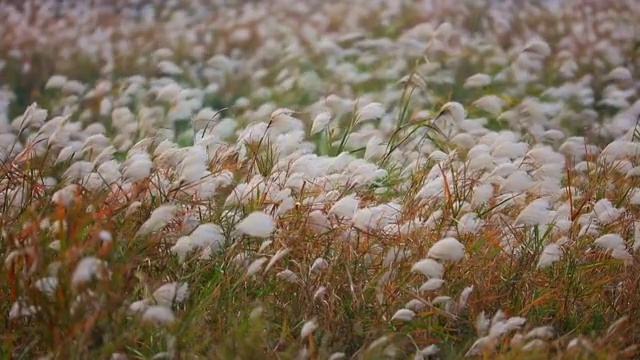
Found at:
<point>289,179</point>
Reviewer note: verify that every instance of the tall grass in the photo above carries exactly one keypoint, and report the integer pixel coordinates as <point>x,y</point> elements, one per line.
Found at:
<point>169,190</point>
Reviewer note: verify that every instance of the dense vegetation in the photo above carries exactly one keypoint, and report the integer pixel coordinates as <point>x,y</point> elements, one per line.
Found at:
<point>320,179</point>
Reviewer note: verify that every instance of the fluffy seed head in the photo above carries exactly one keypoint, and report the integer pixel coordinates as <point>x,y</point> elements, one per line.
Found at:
<point>158,315</point>
<point>535,213</point>
<point>403,315</point>
<point>308,328</point>
<point>449,249</point>
<point>87,269</point>
<point>171,294</point>
<point>370,111</point>
<point>432,284</point>
<point>538,47</point>
<point>138,167</point>
<point>320,122</point>
<point>550,254</point>
<point>158,219</point>
<point>610,241</point>
<point>257,224</point>
<point>429,268</point>
<point>477,81</point>
<point>345,208</point>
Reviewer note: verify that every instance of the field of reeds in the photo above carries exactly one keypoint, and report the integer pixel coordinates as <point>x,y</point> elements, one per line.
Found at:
<point>288,179</point>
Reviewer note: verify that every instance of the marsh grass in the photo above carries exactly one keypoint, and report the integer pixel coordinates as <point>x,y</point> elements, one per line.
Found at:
<point>251,297</point>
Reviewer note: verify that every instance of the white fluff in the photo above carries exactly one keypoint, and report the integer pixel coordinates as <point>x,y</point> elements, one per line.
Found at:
<point>469,223</point>
<point>182,247</point>
<point>318,222</point>
<point>158,219</point>
<point>257,224</point>
<point>169,68</point>
<point>610,241</point>
<point>431,284</point>
<point>481,194</point>
<point>606,212</point>
<point>374,218</point>
<point>618,150</point>
<point>375,149</point>
<point>449,249</point>
<point>320,292</point>
<point>404,315</point>
<point>308,328</point>
<point>489,103</point>
<point>137,167</point>
<point>621,254</point>
<point>87,269</point>
<point>169,93</point>
<point>194,165</point>
<point>454,110</point>
<point>20,309</point>
<point>288,276</point>
<point>483,344</point>
<point>207,235</point>
<point>138,306</point>
<point>464,296</point>
<point>256,266</point>
<point>536,213</point>
<point>320,122</point>
<point>78,170</point>
<point>159,315</point>
<point>620,73</point>
<point>65,196</point>
<point>319,264</point>
<point>477,81</point>
<point>56,82</point>
<point>171,294</point>
<point>415,305</point>
<point>429,268</point>
<point>345,208</point>
<point>508,149</point>
<point>518,182</point>
<point>370,111</point>
<point>33,116</point>
<point>538,47</point>
<point>550,254</point>
<point>540,332</point>
<point>47,285</point>
<point>428,351</point>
